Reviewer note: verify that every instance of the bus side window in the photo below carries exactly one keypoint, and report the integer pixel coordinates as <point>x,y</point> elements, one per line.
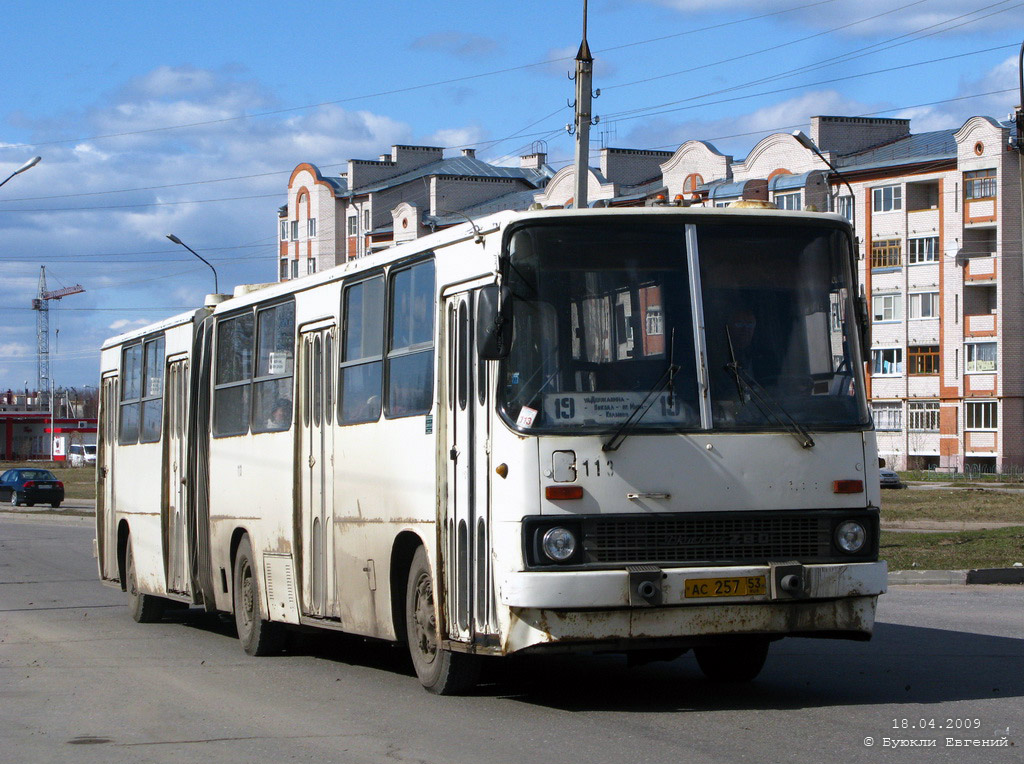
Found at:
<point>361,361</point>
<point>233,383</point>
<point>410,359</point>
<point>153,390</point>
<point>275,367</point>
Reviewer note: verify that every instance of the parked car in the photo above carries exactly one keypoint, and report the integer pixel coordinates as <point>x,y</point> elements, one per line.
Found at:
<point>30,487</point>
<point>889,479</point>
<point>81,455</point>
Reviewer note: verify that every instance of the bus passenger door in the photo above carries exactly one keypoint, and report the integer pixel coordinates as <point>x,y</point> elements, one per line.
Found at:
<point>315,464</point>
<point>466,523</point>
<point>106,532</point>
<point>174,468</point>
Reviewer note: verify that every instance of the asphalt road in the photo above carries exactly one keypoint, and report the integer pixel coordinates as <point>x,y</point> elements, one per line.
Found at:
<point>81,682</point>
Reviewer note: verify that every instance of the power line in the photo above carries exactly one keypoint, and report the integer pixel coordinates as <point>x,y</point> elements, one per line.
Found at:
<point>764,50</point>
<point>616,116</point>
<point>395,91</point>
<point>770,130</point>
<point>630,115</point>
<point>494,142</point>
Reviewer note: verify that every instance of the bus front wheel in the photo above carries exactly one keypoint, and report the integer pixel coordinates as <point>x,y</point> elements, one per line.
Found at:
<point>145,608</point>
<point>738,659</point>
<point>258,637</point>
<point>440,671</point>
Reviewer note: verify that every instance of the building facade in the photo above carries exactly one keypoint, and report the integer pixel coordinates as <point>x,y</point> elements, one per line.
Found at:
<point>329,220</point>
<point>937,216</point>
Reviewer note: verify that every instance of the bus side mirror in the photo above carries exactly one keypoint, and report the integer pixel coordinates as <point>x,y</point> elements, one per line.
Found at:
<point>493,322</point>
<point>881,462</point>
<point>865,328</point>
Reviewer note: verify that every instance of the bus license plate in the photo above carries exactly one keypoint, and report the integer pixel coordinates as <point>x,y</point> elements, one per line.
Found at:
<point>725,587</point>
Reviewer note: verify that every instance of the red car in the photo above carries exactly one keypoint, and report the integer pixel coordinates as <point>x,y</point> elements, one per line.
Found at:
<point>30,487</point>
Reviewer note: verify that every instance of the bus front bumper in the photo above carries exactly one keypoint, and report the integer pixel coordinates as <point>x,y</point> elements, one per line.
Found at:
<point>554,609</point>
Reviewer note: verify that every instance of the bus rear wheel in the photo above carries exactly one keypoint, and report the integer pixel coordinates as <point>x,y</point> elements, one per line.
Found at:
<point>440,671</point>
<point>145,608</point>
<point>738,659</point>
<point>258,637</point>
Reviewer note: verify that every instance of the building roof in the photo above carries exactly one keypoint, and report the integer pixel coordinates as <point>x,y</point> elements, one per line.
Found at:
<point>460,167</point>
<point>922,147</point>
<point>340,185</point>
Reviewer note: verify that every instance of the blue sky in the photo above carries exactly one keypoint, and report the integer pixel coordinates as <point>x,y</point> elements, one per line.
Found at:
<point>93,87</point>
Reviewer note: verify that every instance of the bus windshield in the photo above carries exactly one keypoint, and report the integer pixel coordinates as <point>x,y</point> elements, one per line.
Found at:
<point>605,329</point>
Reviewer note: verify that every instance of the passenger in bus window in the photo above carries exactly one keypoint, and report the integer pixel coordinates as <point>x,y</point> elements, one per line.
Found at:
<point>281,415</point>
<point>742,325</point>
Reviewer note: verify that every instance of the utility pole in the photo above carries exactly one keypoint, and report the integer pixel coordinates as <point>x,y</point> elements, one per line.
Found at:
<point>584,81</point>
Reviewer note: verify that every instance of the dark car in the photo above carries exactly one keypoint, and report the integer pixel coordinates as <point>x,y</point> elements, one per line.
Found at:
<point>30,487</point>
<point>889,479</point>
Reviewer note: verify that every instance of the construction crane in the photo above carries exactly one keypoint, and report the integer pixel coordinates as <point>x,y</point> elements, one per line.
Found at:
<point>42,305</point>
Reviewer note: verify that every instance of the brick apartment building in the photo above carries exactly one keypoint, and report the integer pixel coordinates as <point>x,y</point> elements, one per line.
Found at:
<point>375,203</point>
<point>937,215</point>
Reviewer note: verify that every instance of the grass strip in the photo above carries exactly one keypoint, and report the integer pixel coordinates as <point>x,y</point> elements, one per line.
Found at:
<point>958,504</point>
<point>959,550</point>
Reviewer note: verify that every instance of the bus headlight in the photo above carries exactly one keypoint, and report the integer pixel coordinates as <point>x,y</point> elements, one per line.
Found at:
<point>559,544</point>
<point>851,536</point>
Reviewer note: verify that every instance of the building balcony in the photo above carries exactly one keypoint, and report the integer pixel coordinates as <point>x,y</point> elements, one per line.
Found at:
<point>983,325</point>
<point>980,212</point>
<point>923,222</point>
<point>981,270</point>
<point>980,442</point>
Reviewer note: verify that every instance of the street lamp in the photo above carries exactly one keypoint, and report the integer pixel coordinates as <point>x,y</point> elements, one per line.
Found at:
<point>27,166</point>
<point>176,240</point>
<point>808,144</point>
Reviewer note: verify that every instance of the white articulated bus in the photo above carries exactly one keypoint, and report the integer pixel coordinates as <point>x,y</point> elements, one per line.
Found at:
<point>632,429</point>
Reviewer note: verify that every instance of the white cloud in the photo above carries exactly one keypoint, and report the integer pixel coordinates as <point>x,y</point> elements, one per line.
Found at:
<point>124,324</point>
<point>457,137</point>
<point>87,246</point>
<point>458,44</point>
<point>736,135</point>
<point>952,114</point>
<point>9,349</point>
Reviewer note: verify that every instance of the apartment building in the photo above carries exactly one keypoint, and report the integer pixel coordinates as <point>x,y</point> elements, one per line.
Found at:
<point>938,218</point>
<point>376,202</point>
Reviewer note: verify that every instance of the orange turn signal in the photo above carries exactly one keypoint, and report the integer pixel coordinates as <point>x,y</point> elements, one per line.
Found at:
<point>561,492</point>
<point>848,486</point>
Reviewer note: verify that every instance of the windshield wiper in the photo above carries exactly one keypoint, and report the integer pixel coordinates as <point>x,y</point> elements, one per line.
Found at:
<point>667,378</point>
<point>766,404</point>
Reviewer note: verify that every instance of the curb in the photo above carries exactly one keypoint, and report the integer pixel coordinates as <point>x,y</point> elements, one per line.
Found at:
<point>956,577</point>
<point>931,577</point>
<point>996,576</point>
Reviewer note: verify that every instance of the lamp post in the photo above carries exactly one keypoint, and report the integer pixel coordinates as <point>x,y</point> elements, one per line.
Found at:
<point>808,144</point>
<point>27,166</point>
<point>176,240</point>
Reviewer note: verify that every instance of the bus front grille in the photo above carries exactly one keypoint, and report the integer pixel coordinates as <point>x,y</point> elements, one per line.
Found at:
<point>695,539</point>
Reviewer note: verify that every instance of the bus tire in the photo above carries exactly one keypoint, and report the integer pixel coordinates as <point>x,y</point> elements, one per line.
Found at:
<point>258,637</point>
<point>733,660</point>
<point>145,608</point>
<point>440,671</point>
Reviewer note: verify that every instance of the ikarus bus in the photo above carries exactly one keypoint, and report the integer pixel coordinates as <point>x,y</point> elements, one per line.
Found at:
<point>624,430</point>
